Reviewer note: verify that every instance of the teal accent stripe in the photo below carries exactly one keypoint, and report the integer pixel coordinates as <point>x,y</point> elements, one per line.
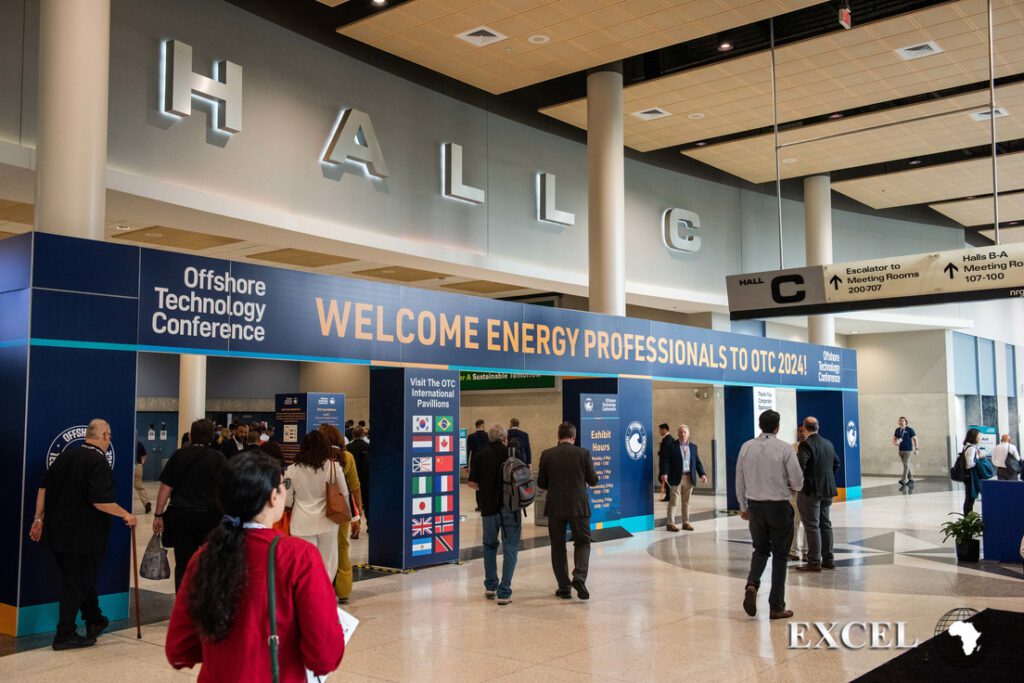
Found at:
<point>854,493</point>
<point>10,343</point>
<point>633,525</point>
<point>43,618</point>
<point>71,344</point>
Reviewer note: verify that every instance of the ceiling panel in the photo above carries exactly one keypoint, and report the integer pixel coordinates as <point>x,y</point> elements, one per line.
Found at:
<point>175,238</point>
<point>16,212</point>
<point>400,274</point>
<point>300,257</point>
<point>836,72</point>
<point>972,212</point>
<point>753,159</point>
<point>480,287</point>
<point>580,33</point>
<point>932,184</point>
<point>1006,235</point>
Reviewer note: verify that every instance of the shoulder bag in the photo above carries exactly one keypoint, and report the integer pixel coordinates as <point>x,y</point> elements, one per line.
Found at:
<point>1012,463</point>
<point>986,470</point>
<point>272,641</point>
<point>337,509</point>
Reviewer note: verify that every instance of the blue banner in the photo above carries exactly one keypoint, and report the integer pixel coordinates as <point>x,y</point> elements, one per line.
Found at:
<point>599,434</point>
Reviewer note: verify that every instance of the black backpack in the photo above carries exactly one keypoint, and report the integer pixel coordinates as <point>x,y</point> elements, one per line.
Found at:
<point>958,472</point>
<point>518,488</point>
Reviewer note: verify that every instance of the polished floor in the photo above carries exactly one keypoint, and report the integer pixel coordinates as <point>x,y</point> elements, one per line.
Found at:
<point>664,606</point>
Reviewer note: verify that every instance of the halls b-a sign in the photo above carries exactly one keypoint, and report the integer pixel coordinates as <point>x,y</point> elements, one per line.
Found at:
<point>915,280</point>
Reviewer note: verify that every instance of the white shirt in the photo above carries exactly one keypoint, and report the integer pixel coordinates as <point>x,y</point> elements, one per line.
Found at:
<point>767,470</point>
<point>308,498</point>
<point>970,457</point>
<point>685,447</point>
<point>1000,452</point>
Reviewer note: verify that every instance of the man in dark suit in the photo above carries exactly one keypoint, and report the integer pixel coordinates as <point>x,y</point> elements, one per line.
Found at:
<point>514,432</point>
<point>666,441</point>
<point>476,442</point>
<point>679,470</point>
<point>565,473</point>
<point>819,462</point>
<point>236,444</point>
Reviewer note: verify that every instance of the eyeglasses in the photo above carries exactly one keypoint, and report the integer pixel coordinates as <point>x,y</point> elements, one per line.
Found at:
<point>287,483</point>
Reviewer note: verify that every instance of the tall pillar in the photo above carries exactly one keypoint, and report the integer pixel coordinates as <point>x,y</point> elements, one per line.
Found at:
<point>821,329</point>
<point>71,149</point>
<point>606,191</point>
<point>191,390</point>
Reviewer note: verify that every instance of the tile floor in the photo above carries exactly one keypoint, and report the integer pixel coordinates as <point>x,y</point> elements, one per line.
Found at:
<point>664,607</point>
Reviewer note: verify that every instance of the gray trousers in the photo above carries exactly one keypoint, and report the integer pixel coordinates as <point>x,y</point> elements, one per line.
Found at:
<point>905,459</point>
<point>814,513</point>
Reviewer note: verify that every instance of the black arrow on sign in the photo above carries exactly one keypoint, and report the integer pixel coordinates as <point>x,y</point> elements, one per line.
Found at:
<point>950,268</point>
<point>835,281</point>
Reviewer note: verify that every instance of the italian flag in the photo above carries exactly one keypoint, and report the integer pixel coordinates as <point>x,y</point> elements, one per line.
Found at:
<point>443,503</point>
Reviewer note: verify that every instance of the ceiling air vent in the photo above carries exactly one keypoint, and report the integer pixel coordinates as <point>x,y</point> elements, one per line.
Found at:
<point>920,50</point>
<point>986,114</point>
<point>481,36</point>
<point>651,114</point>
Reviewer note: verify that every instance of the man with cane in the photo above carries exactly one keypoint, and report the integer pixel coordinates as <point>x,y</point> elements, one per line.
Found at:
<point>72,517</point>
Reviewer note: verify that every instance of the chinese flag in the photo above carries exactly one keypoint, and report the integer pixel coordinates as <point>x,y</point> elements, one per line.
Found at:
<point>444,463</point>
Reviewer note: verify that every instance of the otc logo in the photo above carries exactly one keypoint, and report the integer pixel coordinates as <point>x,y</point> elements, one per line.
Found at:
<point>636,440</point>
<point>851,434</point>
<point>73,437</point>
<point>588,404</point>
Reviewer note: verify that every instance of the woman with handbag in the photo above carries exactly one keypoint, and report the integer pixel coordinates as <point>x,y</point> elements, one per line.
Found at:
<point>226,608</point>
<point>314,476</point>
<point>343,579</point>
<point>972,483</point>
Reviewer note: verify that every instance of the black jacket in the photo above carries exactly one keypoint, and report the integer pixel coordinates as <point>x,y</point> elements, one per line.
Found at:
<point>565,473</point>
<point>666,443</point>
<point>524,452</point>
<point>476,442</point>
<point>820,463</point>
<point>672,464</point>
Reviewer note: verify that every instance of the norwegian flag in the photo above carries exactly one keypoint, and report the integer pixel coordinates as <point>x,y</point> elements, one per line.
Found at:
<point>421,526</point>
<point>444,524</point>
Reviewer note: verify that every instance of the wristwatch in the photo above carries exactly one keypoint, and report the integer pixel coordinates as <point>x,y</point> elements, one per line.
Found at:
<point>159,514</point>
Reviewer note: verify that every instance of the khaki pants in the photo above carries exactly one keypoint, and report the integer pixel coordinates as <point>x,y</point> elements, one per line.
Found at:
<point>343,579</point>
<point>680,495</point>
<point>139,488</point>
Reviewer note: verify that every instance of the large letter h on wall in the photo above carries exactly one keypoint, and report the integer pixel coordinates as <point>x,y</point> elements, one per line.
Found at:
<point>223,91</point>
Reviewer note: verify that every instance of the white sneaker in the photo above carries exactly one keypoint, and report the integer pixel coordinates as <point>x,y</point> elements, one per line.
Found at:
<point>490,595</point>
<point>504,601</point>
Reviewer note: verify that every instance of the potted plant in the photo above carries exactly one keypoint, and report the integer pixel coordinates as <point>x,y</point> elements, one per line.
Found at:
<point>966,531</point>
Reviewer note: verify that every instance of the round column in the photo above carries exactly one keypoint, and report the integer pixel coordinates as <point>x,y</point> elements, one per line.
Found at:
<point>606,191</point>
<point>71,146</point>
<point>821,329</point>
<point>191,390</point>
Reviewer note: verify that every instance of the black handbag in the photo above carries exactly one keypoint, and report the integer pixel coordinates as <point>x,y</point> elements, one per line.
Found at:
<point>958,472</point>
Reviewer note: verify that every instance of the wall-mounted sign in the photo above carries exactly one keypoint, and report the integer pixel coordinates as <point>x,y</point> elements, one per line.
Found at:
<point>490,381</point>
<point>181,84</point>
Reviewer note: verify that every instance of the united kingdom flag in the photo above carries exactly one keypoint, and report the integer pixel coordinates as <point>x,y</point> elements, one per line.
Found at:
<point>444,524</point>
<point>421,526</point>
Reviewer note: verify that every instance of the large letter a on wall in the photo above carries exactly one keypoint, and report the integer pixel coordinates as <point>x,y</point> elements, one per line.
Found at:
<point>354,140</point>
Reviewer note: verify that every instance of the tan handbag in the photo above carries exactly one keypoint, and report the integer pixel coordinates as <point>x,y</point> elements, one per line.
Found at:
<point>337,509</point>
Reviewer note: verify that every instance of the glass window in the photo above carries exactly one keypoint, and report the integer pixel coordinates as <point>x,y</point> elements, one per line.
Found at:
<point>987,367</point>
<point>1011,370</point>
<point>965,364</point>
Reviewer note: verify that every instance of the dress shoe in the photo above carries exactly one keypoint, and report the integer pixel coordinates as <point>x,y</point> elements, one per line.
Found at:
<point>563,594</point>
<point>750,601</point>
<point>828,564</point>
<point>73,643</point>
<point>902,483</point>
<point>687,527</point>
<point>149,508</point>
<point>581,589</point>
<point>793,557</point>
<point>672,527</point>
<point>663,500</point>
<point>781,614</point>
<point>809,567</point>
<point>97,627</point>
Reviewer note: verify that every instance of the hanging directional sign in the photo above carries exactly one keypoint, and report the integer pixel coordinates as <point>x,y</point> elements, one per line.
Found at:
<point>995,272</point>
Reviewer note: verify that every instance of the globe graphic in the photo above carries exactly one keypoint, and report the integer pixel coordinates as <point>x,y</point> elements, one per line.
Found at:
<point>953,615</point>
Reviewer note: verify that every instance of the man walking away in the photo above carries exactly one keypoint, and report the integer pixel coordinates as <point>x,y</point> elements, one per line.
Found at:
<point>140,460</point>
<point>476,442</point>
<point>680,470</point>
<point>565,473</point>
<point>485,477</point>
<point>75,503</point>
<point>766,472</point>
<point>819,463</point>
<point>666,441</point>
<point>514,432</point>
<point>1006,459</point>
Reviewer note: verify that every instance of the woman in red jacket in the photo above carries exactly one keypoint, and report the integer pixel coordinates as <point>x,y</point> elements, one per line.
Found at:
<point>221,616</point>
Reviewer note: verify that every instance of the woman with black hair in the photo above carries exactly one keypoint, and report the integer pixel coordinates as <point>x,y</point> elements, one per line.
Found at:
<point>221,614</point>
<point>972,485</point>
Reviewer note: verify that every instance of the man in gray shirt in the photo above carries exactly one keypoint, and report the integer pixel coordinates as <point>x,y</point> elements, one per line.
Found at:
<point>767,472</point>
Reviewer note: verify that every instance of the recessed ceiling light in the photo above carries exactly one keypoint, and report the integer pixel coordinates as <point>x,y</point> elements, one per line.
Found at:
<point>836,115</point>
<point>789,160</point>
<point>695,116</point>
<point>854,331</point>
<point>725,46</point>
<point>915,162</point>
<point>701,143</point>
<point>539,39</point>
<point>380,2</point>
<point>122,227</point>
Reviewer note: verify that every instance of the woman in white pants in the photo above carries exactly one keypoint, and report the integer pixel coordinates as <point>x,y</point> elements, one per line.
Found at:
<point>307,497</point>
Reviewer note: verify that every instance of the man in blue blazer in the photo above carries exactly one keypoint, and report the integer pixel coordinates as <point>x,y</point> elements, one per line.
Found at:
<point>679,470</point>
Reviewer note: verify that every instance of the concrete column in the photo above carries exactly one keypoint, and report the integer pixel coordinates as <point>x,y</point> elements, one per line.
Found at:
<point>821,329</point>
<point>191,390</point>
<point>71,149</point>
<point>606,191</point>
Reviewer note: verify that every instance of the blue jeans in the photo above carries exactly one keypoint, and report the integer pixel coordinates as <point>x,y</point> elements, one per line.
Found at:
<point>511,526</point>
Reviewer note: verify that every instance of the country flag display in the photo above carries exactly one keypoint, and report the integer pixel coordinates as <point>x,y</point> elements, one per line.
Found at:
<point>445,483</point>
<point>444,463</point>
<point>421,526</point>
<point>444,443</point>
<point>443,544</point>
<point>444,524</point>
<point>423,443</point>
<point>421,506</point>
<point>421,547</point>
<point>421,423</point>
<point>443,503</point>
<point>420,465</point>
<point>444,423</point>
<point>421,485</point>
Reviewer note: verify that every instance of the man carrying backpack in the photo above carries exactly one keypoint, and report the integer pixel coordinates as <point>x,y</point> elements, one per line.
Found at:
<point>500,504</point>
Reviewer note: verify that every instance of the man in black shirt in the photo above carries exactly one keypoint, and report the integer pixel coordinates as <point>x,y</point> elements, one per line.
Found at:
<point>75,502</point>
<point>667,440</point>
<point>485,476</point>
<point>190,480</point>
<point>234,445</point>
